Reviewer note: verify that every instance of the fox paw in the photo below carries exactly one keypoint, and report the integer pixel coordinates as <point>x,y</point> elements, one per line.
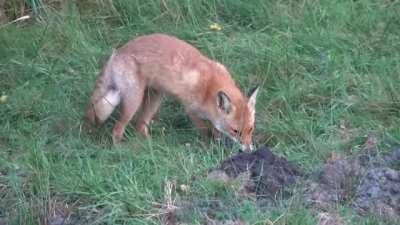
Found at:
<point>117,134</point>
<point>142,128</point>
<point>116,139</point>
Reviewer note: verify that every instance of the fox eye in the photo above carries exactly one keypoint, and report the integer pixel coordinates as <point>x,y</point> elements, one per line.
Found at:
<point>235,131</point>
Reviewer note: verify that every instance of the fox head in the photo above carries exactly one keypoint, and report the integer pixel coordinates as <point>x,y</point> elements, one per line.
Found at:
<point>235,117</point>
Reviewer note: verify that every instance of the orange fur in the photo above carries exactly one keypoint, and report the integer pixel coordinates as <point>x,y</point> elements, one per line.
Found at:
<point>148,67</point>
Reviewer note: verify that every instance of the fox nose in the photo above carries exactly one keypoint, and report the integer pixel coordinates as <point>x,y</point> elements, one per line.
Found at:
<point>247,148</point>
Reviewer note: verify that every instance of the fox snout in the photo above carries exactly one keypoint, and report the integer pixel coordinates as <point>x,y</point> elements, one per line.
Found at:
<point>247,148</point>
<point>246,145</point>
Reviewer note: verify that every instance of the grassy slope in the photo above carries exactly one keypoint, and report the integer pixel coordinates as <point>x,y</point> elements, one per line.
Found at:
<point>319,63</point>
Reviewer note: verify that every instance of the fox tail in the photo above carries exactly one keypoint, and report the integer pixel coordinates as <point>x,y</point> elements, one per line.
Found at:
<point>105,96</point>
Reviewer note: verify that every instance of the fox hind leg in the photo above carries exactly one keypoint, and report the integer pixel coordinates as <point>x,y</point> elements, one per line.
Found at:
<point>151,104</point>
<point>129,105</point>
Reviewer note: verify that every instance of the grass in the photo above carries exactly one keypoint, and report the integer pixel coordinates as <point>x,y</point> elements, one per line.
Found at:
<point>320,64</point>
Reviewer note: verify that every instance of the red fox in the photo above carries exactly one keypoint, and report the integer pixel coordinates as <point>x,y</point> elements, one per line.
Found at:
<point>148,67</point>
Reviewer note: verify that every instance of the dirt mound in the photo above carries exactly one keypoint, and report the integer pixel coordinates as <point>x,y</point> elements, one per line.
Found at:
<point>336,179</point>
<point>379,190</point>
<point>329,219</point>
<point>369,181</point>
<point>379,193</point>
<point>269,173</point>
<point>375,186</point>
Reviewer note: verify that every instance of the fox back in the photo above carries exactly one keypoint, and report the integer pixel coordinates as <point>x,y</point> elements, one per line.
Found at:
<point>148,67</point>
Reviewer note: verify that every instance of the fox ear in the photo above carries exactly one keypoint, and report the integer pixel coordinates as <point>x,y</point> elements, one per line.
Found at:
<point>252,97</point>
<point>223,102</point>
